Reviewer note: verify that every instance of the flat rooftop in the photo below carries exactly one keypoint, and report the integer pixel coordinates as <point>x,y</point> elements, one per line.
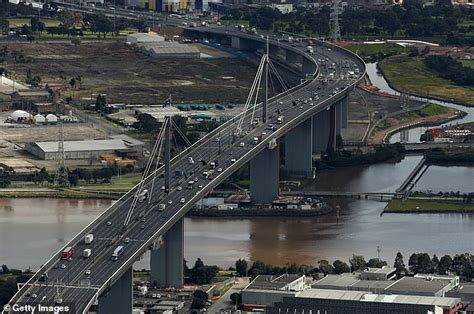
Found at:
<point>343,280</point>
<point>376,270</point>
<point>270,282</point>
<point>420,285</point>
<point>88,145</point>
<point>370,297</point>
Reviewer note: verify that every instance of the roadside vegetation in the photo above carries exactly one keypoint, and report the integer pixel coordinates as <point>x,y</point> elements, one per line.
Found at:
<point>452,155</point>
<point>413,76</point>
<point>376,52</point>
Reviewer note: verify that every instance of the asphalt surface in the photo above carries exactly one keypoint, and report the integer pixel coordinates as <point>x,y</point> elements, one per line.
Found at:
<point>73,286</point>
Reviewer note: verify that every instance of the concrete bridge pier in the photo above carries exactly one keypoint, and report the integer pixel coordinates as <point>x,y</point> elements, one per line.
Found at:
<point>345,111</point>
<point>119,299</point>
<point>308,67</point>
<point>299,150</point>
<point>321,128</point>
<point>265,175</point>
<point>166,261</point>
<point>241,44</point>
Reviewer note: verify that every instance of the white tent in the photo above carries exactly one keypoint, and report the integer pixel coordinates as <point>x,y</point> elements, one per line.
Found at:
<point>51,118</point>
<point>20,115</point>
<point>40,119</point>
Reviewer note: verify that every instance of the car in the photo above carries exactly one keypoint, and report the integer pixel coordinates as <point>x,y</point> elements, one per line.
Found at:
<point>230,153</point>
<point>69,259</point>
<point>58,301</point>
<point>242,144</point>
<point>196,180</point>
<point>63,266</point>
<point>142,226</point>
<point>301,107</point>
<point>179,188</point>
<point>109,223</point>
<point>88,272</point>
<point>34,296</point>
<point>219,169</point>
<point>143,219</point>
<point>270,126</point>
<point>200,186</point>
<point>126,240</point>
<point>182,200</point>
<point>311,103</point>
<point>162,187</point>
<point>56,266</point>
<point>217,139</point>
<point>170,202</point>
<point>232,160</point>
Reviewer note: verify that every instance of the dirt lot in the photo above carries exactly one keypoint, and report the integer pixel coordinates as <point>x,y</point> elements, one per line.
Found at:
<point>128,76</point>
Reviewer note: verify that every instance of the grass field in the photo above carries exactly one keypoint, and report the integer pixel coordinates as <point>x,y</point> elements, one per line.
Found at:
<point>118,185</point>
<point>468,63</point>
<point>18,22</point>
<point>419,206</point>
<point>377,51</point>
<point>411,75</point>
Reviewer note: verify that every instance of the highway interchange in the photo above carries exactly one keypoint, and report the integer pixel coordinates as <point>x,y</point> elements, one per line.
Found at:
<point>81,290</point>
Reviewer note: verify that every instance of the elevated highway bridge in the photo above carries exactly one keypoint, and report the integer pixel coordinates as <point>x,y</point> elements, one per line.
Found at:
<point>105,285</point>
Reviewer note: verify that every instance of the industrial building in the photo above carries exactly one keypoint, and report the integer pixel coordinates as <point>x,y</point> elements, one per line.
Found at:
<point>357,302</point>
<point>138,38</point>
<point>159,113</point>
<point>84,149</point>
<point>168,49</point>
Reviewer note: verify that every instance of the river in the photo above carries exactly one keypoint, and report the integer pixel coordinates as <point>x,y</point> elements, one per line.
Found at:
<point>32,229</point>
<point>414,134</point>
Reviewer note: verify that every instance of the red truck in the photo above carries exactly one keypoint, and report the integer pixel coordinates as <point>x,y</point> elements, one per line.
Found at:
<point>67,253</point>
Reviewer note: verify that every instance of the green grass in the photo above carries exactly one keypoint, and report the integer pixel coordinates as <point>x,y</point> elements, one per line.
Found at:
<point>19,22</point>
<point>118,185</point>
<point>245,23</point>
<point>226,273</point>
<point>407,206</point>
<point>466,23</point>
<point>411,75</point>
<point>433,110</point>
<point>468,63</point>
<point>378,51</point>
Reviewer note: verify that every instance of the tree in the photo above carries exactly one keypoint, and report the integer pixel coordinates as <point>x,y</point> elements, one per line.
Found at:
<point>76,41</point>
<point>236,298</point>
<point>4,178</point>
<point>200,298</point>
<point>434,264</point>
<point>445,265</point>
<point>241,267</point>
<point>375,262</point>
<point>325,267</point>
<point>357,262</point>
<point>198,263</point>
<point>37,25</point>
<point>341,267</point>
<point>100,103</point>
<point>399,265</point>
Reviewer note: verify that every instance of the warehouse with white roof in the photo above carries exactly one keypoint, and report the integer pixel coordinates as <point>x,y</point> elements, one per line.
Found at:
<point>81,149</point>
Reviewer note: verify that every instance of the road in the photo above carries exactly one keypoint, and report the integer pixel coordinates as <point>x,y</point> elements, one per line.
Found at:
<point>71,283</point>
<point>224,302</point>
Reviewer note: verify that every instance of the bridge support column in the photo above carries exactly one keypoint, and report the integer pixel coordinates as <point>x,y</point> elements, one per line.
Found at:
<point>345,111</point>
<point>299,151</point>
<point>321,127</point>
<point>338,118</point>
<point>166,261</point>
<point>265,176</point>
<point>241,44</point>
<point>308,67</point>
<point>119,299</point>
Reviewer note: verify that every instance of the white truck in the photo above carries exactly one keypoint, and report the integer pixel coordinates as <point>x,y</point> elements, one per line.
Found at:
<point>87,253</point>
<point>280,120</point>
<point>310,49</point>
<point>88,238</point>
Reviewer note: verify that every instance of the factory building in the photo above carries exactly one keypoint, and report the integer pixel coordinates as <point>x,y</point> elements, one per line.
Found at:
<point>84,149</point>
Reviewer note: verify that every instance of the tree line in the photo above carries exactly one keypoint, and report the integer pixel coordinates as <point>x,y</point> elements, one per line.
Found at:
<point>413,19</point>
<point>451,69</point>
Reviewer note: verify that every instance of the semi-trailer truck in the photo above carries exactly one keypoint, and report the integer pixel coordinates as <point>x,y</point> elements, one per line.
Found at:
<point>67,253</point>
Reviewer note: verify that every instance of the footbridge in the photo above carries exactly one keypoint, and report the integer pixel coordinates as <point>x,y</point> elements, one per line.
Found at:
<point>313,114</point>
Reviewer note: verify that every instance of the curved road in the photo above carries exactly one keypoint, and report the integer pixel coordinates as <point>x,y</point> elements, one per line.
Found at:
<point>81,290</point>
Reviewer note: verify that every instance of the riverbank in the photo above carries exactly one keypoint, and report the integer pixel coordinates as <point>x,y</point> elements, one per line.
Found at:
<point>424,206</point>
<point>259,212</point>
<point>410,75</point>
<point>430,115</point>
<point>59,193</point>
